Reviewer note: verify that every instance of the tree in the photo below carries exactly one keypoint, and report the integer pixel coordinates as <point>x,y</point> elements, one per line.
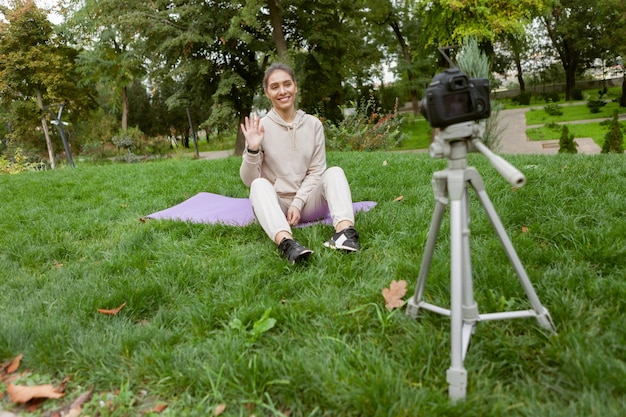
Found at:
<point>109,43</point>
<point>575,31</point>
<point>614,139</point>
<point>566,141</point>
<point>36,68</point>
<point>397,25</point>
<point>449,22</point>
<point>613,22</point>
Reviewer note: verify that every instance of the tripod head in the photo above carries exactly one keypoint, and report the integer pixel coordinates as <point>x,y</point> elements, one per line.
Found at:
<point>455,141</point>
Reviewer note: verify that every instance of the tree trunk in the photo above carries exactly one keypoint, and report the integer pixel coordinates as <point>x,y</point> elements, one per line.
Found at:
<point>520,77</point>
<point>277,29</point>
<point>622,100</point>
<point>570,81</point>
<point>240,142</point>
<point>124,108</point>
<point>406,54</point>
<point>46,133</point>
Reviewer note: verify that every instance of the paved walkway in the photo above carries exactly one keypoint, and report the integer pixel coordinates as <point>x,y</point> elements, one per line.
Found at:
<point>514,139</point>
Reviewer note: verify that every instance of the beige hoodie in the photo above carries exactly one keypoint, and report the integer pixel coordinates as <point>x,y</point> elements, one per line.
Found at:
<point>292,157</point>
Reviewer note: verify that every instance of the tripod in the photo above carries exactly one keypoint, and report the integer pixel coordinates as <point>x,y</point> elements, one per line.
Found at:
<point>450,187</point>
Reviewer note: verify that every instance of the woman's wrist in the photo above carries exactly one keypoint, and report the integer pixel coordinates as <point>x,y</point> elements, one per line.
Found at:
<point>253,151</point>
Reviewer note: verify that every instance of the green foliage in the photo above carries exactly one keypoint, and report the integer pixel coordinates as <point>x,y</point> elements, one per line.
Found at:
<point>566,142</point>
<point>553,109</point>
<point>130,140</point>
<point>614,139</point>
<point>596,105</point>
<point>475,64</point>
<point>367,129</point>
<point>262,325</point>
<point>523,98</point>
<point>577,93</point>
<point>18,162</point>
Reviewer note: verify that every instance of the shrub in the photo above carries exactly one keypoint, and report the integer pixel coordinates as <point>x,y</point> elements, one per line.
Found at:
<point>19,162</point>
<point>367,129</point>
<point>614,139</point>
<point>577,93</point>
<point>566,142</point>
<point>596,105</point>
<point>523,98</point>
<point>553,109</point>
<point>552,97</point>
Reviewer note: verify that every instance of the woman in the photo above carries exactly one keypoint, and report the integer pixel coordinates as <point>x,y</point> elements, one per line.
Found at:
<point>284,164</point>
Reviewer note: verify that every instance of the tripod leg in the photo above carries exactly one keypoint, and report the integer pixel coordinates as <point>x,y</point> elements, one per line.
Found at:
<point>441,201</point>
<point>456,374</point>
<point>542,314</point>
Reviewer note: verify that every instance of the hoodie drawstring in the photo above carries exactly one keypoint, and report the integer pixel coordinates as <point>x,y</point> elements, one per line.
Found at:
<point>292,133</point>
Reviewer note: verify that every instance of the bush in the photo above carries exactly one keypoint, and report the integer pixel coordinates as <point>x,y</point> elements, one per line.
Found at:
<point>553,97</point>
<point>553,109</point>
<point>596,105</point>
<point>19,162</point>
<point>367,129</point>
<point>522,98</point>
<point>577,93</point>
<point>566,142</point>
<point>614,139</point>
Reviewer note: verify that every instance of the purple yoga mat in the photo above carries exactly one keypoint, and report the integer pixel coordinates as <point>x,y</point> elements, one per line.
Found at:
<point>215,208</point>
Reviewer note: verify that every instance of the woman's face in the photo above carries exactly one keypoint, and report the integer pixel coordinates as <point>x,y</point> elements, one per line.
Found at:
<point>281,90</point>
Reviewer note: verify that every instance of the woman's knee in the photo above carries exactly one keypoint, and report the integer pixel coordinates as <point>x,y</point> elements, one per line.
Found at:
<point>260,184</point>
<point>334,172</point>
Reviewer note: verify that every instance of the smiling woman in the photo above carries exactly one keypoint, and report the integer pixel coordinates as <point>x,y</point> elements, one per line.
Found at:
<point>285,167</point>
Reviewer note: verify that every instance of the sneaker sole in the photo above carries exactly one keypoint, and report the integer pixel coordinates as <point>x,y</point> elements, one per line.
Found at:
<point>346,248</point>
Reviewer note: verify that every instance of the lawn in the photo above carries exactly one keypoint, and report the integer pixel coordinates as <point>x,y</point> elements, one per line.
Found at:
<point>214,317</point>
<point>596,130</point>
<point>571,112</point>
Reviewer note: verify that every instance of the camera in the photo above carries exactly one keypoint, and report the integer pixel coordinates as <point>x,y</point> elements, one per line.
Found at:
<point>452,98</point>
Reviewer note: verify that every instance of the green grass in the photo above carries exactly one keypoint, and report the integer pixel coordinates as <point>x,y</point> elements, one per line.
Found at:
<point>596,131</point>
<point>571,112</point>
<point>72,243</point>
<point>417,133</point>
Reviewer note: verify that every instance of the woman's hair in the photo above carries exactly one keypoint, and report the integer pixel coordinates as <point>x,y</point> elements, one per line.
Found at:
<point>275,67</point>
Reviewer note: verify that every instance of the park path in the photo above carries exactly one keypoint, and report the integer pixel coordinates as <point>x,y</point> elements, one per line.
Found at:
<point>515,141</point>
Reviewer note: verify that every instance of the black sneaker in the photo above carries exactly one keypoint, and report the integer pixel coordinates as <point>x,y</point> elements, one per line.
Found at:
<point>293,251</point>
<point>347,239</point>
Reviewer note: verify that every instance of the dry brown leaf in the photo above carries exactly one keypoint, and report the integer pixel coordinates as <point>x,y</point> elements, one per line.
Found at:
<point>219,409</point>
<point>112,312</point>
<point>399,198</point>
<point>393,295</point>
<point>158,408</point>
<point>22,393</point>
<point>15,364</point>
<point>524,229</point>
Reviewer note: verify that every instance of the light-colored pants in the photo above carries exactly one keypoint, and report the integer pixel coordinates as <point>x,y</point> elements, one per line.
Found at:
<point>331,195</point>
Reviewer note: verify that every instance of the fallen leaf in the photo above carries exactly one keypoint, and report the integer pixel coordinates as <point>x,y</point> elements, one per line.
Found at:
<point>158,408</point>
<point>399,198</point>
<point>112,312</point>
<point>219,409</point>
<point>22,393</point>
<point>74,412</point>
<point>393,295</point>
<point>15,363</point>
<point>524,229</point>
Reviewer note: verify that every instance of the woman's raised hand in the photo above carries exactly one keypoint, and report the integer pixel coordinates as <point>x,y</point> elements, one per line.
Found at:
<point>253,131</point>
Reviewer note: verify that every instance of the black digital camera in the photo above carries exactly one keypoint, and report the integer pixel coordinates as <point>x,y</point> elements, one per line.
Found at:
<point>452,98</point>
